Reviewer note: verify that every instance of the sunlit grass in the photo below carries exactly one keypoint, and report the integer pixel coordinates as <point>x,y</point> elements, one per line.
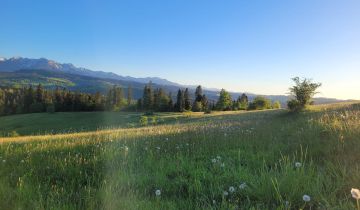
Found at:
<point>217,161</point>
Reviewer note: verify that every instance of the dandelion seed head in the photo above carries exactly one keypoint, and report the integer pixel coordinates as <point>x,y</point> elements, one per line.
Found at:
<point>231,189</point>
<point>298,164</point>
<point>306,198</point>
<point>157,192</point>
<point>242,185</point>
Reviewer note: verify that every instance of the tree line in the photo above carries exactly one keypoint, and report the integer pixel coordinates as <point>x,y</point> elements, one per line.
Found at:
<point>33,100</point>
<point>158,100</point>
<point>37,99</point>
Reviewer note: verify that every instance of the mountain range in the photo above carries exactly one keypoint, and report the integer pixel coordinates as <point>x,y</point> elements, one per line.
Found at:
<point>18,71</point>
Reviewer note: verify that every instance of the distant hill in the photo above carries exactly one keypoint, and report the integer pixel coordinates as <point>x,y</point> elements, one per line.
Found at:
<point>17,72</point>
<point>19,63</point>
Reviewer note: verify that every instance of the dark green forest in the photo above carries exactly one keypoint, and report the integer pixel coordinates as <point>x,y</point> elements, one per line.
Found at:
<point>34,99</point>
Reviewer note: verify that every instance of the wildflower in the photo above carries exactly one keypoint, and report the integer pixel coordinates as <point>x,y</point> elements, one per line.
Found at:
<point>355,193</point>
<point>167,139</point>
<point>231,189</point>
<point>218,157</point>
<point>4,161</point>
<point>287,203</point>
<point>225,193</point>
<point>126,148</point>
<point>243,185</point>
<point>298,165</point>
<point>158,192</point>
<point>22,161</point>
<point>306,198</point>
<point>222,165</point>
<point>213,160</point>
<point>214,201</point>
<point>157,148</point>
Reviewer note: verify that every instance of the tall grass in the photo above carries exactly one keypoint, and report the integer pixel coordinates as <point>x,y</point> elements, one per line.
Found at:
<point>234,161</point>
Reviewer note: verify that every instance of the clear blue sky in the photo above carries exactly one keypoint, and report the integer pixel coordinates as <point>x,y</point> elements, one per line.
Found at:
<point>241,45</point>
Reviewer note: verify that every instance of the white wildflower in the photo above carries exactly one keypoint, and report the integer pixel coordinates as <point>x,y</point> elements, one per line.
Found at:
<point>231,189</point>
<point>158,192</point>
<point>213,160</point>
<point>222,165</point>
<point>243,185</point>
<point>225,193</point>
<point>355,193</point>
<point>298,165</point>
<point>306,198</point>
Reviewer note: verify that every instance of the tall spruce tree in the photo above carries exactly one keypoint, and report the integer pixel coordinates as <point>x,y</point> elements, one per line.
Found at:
<point>187,101</point>
<point>148,97</point>
<point>179,107</point>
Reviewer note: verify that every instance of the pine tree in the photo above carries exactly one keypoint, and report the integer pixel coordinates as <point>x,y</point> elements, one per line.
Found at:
<point>129,95</point>
<point>39,94</point>
<point>187,102</point>
<point>179,107</point>
<point>170,106</point>
<point>28,99</point>
<point>225,102</point>
<point>198,93</point>
<point>244,102</point>
<point>148,97</point>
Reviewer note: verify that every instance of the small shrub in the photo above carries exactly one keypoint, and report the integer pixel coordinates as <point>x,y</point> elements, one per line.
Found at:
<point>149,113</point>
<point>154,120</point>
<point>13,134</point>
<point>207,111</point>
<point>294,105</point>
<point>143,121</point>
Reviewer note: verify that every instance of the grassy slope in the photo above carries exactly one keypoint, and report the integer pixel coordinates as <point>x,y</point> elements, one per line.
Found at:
<point>122,168</point>
<point>70,122</point>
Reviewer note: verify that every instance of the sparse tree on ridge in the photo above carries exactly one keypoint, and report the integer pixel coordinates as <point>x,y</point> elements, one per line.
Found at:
<point>260,103</point>
<point>302,93</point>
<point>225,102</point>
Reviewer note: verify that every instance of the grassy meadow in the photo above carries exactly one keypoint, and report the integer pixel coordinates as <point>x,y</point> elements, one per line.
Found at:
<point>223,160</point>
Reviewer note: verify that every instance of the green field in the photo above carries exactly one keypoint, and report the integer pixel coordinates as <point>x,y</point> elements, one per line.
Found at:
<point>224,160</point>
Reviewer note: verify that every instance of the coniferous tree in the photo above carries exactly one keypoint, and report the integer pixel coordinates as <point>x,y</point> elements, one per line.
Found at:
<point>187,101</point>
<point>244,102</point>
<point>179,107</point>
<point>225,102</point>
<point>198,93</point>
<point>129,95</point>
<point>170,106</point>
<point>148,98</point>
<point>29,99</point>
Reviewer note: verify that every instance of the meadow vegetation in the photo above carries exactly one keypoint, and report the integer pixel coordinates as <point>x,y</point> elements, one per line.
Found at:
<point>223,160</point>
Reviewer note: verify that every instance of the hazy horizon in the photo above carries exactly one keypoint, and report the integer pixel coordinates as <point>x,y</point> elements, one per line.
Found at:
<point>240,46</point>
